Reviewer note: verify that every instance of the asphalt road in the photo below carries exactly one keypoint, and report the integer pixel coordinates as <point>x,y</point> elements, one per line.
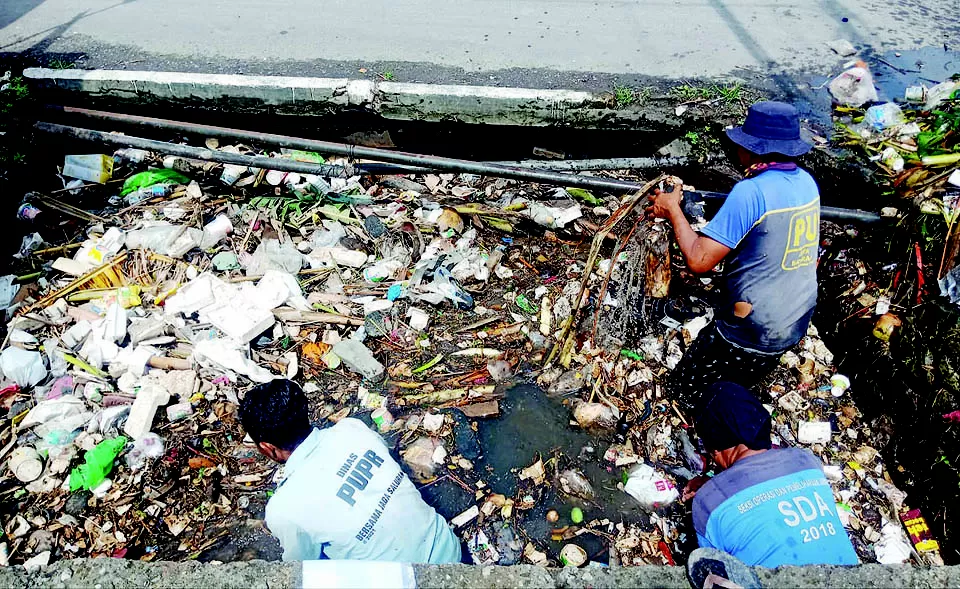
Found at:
<point>539,43</point>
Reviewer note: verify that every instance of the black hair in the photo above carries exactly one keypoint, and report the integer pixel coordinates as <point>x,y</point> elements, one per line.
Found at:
<point>276,413</point>
<point>729,416</point>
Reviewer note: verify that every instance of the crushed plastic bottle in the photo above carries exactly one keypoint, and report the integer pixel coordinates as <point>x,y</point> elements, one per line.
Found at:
<point>884,116</point>
<point>145,194</point>
<point>130,155</point>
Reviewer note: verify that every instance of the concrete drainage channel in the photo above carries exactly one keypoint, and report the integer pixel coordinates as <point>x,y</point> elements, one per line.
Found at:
<point>392,102</point>
<point>315,96</point>
<point>106,573</point>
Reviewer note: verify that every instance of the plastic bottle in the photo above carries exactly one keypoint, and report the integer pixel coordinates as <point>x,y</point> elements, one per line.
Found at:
<point>318,184</point>
<point>382,270</point>
<point>91,168</point>
<point>444,283</point>
<point>155,191</point>
<point>884,116</point>
<point>130,155</point>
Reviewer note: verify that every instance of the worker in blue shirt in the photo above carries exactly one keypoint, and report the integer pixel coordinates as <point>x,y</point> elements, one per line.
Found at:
<point>767,235</point>
<point>768,506</point>
<point>343,496</point>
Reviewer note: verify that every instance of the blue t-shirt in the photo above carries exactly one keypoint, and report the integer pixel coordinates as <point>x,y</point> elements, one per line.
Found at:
<point>773,509</point>
<point>772,224</point>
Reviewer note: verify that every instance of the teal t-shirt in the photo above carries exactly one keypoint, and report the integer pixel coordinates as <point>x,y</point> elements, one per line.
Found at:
<point>773,509</point>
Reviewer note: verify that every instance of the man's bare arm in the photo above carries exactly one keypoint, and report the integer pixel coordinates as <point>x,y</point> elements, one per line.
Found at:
<point>701,253</point>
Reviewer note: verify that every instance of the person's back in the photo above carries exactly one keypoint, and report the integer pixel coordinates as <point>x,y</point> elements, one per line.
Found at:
<point>344,496</point>
<point>772,267</point>
<point>344,492</point>
<point>773,509</point>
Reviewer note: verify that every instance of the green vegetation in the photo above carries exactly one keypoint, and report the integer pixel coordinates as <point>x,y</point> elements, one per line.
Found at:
<point>388,76</point>
<point>13,93</point>
<point>624,95</point>
<point>61,64</point>
<point>704,141</point>
<point>723,93</point>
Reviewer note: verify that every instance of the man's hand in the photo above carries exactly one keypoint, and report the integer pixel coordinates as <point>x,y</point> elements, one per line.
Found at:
<point>693,485</point>
<point>665,204</point>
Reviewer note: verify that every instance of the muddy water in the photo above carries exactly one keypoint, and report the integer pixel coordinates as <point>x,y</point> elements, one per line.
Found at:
<point>534,425</point>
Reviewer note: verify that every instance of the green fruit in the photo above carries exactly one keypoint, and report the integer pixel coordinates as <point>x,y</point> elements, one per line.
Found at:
<point>576,515</point>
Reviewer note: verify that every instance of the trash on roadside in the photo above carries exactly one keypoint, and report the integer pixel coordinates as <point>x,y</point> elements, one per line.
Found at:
<point>854,87</point>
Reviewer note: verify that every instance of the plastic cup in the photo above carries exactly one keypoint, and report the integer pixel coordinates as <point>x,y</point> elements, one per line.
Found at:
<point>25,464</point>
<point>27,211</point>
<point>382,418</point>
<point>573,556</point>
<point>839,385</point>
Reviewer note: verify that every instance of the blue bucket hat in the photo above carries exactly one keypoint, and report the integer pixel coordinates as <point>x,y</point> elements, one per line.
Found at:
<point>771,127</point>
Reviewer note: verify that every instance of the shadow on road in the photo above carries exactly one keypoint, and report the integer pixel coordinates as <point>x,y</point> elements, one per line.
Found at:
<point>37,54</point>
<point>12,10</point>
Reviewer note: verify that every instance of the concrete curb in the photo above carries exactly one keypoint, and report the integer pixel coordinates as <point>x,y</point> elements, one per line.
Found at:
<point>106,573</point>
<point>325,96</point>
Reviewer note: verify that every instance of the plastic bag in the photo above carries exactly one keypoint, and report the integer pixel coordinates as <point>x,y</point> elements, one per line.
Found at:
<point>28,245</point>
<point>650,488</point>
<point>58,364</point>
<point>216,230</point>
<point>8,290</point>
<point>147,447</point>
<point>277,288</point>
<point>224,354</point>
<point>167,240</point>
<point>330,235</point>
<point>97,464</point>
<point>854,87</point>
<point>553,217</point>
<point>151,178</point>
<point>892,547</point>
<point>884,116</point>
<point>273,255</point>
<point>572,482</point>
<point>23,366</point>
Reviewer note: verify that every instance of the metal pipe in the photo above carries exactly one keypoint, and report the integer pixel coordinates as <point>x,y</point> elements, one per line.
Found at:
<point>200,153</point>
<point>828,213</point>
<point>607,163</point>
<point>611,163</point>
<point>360,152</point>
<point>548,177</point>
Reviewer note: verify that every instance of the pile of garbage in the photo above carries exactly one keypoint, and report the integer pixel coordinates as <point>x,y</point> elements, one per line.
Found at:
<point>413,301</point>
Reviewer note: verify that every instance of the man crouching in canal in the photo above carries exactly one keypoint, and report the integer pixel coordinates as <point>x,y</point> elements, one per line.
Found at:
<point>343,497</point>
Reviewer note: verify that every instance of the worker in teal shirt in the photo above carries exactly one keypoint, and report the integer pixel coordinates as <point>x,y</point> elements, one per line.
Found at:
<point>343,496</point>
<point>768,507</point>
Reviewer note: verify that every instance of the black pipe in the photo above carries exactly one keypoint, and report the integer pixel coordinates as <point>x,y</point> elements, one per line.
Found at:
<point>610,163</point>
<point>200,153</point>
<point>360,152</point>
<point>830,213</point>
